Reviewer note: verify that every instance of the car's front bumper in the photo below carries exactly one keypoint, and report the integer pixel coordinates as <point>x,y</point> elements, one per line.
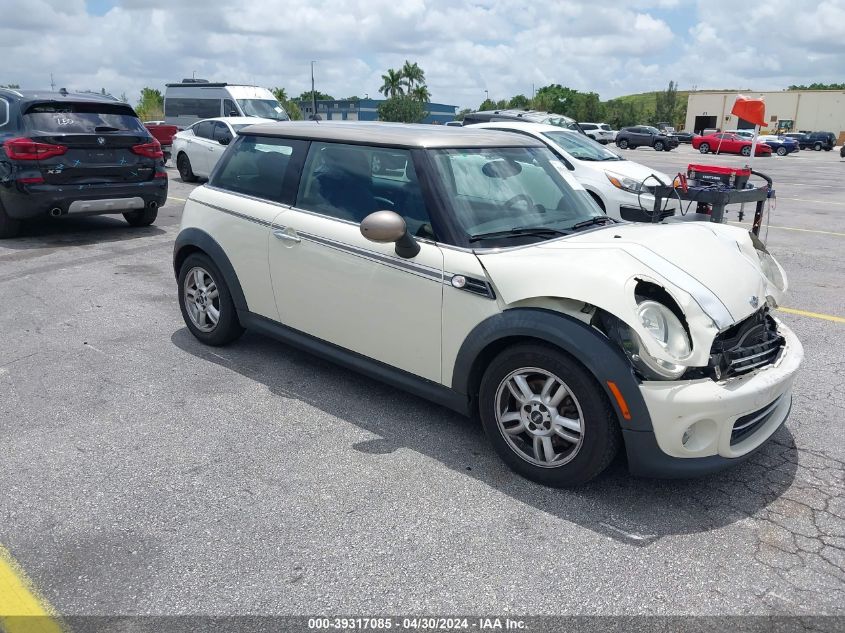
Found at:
<point>707,412</point>
<point>24,202</point>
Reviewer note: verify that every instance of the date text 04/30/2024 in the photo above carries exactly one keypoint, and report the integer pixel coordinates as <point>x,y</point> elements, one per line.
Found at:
<point>416,623</point>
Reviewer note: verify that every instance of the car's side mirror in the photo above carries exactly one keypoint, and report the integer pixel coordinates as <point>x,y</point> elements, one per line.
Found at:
<point>224,140</point>
<point>387,227</point>
<point>234,113</point>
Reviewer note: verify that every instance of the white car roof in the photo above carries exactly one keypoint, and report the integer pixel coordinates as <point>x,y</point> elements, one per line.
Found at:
<point>239,120</point>
<point>538,128</point>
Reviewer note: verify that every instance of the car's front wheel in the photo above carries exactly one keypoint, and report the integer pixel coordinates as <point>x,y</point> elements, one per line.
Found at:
<point>746,151</point>
<point>546,416</point>
<point>183,164</point>
<point>142,217</point>
<point>704,148</point>
<point>781,151</point>
<point>9,227</point>
<point>817,147</point>
<point>658,146</point>
<point>206,303</point>
<point>623,144</point>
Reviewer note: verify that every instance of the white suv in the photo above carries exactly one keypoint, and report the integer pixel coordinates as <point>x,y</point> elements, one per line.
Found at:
<point>469,267</point>
<point>599,132</point>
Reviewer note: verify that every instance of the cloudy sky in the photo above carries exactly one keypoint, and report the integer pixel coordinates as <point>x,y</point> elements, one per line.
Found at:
<point>613,47</point>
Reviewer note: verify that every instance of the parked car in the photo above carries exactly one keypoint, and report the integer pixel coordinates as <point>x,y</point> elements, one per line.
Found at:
<point>75,154</point>
<point>198,148</point>
<point>818,141</point>
<point>842,151</point>
<point>596,132</point>
<point>609,130</point>
<point>622,188</point>
<point>192,100</point>
<point>727,143</point>
<point>684,136</point>
<point>645,136</point>
<point>477,273</point>
<point>532,116</point>
<point>746,134</point>
<point>781,145</point>
<point>164,134</point>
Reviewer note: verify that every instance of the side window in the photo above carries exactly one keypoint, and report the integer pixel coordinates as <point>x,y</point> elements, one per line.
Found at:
<point>204,129</point>
<point>229,107</point>
<point>351,181</point>
<point>262,167</point>
<point>221,130</point>
<point>202,108</point>
<point>4,113</point>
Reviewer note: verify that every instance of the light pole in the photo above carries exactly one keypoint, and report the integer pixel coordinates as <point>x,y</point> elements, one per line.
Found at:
<point>486,95</point>
<point>313,93</point>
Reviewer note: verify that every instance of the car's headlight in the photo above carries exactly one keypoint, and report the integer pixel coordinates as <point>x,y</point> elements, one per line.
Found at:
<point>624,182</point>
<point>664,327</point>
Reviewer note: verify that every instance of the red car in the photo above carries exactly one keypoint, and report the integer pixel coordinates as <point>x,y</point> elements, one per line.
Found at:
<point>724,142</point>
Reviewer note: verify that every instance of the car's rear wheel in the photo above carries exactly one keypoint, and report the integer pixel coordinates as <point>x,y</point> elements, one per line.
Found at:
<point>746,151</point>
<point>817,147</point>
<point>206,303</point>
<point>781,151</point>
<point>704,148</point>
<point>9,227</point>
<point>141,217</point>
<point>546,416</point>
<point>623,144</point>
<point>658,146</point>
<point>183,164</point>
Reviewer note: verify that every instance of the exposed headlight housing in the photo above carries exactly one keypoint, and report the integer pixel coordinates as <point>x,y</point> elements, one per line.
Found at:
<point>768,265</point>
<point>664,327</point>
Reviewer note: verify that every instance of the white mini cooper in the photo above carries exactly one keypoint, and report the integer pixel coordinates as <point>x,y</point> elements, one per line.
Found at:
<point>468,267</point>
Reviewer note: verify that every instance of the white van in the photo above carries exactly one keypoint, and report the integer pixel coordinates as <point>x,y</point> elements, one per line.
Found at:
<point>195,99</point>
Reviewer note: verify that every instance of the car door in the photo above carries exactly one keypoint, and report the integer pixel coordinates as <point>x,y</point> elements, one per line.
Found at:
<point>334,284</point>
<point>199,147</point>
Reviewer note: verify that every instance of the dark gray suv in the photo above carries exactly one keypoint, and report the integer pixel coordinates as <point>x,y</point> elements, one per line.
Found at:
<point>645,136</point>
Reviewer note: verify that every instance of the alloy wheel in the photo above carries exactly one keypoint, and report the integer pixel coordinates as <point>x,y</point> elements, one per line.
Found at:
<point>202,299</point>
<point>539,417</point>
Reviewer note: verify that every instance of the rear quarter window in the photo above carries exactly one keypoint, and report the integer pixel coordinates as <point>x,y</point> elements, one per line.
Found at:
<point>266,168</point>
<point>82,118</point>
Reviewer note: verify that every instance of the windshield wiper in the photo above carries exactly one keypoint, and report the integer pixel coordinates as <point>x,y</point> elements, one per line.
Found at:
<point>599,219</point>
<point>519,231</point>
<point>107,128</point>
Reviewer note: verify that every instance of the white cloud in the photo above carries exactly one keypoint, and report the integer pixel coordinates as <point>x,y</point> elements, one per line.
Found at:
<point>465,46</point>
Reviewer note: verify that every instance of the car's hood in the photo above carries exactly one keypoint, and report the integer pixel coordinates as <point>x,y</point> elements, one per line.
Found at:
<point>711,270</point>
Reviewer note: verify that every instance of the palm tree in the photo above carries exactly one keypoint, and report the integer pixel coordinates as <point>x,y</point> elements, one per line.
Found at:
<point>421,93</point>
<point>413,75</point>
<point>392,85</point>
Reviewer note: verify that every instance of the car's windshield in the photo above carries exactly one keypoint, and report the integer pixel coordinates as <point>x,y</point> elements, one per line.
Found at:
<point>499,193</point>
<point>581,147</point>
<point>653,130</point>
<point>265,108</point>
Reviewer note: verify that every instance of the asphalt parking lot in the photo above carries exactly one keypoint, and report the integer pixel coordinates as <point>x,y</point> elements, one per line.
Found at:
<point>143,473</point>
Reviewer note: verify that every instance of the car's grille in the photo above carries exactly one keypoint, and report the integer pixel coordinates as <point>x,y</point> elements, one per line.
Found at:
<point>632,214</point>
<point>751,343</point>
<point>745,426</point>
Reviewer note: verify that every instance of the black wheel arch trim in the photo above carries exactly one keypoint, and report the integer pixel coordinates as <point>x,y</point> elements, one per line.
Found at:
<point>196,239</point>
<point>602,358</point>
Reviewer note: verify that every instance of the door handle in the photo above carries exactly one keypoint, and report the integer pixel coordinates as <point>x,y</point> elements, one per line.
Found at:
<point>285,237</point>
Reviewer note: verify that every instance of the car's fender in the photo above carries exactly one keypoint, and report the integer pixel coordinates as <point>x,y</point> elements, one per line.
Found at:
<point>191,240</point>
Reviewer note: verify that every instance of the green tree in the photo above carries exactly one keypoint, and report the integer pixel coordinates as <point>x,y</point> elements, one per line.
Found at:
<point>413,75</point>
<point>401,109</point>
<point>818,86</point>
<point>518,101</point>
<point>151,105</point>
<point>421,93</point>
<point>290,106</point>
<point>461,114</point>
<point>487,104</point>
<point>321,96</point>
<point>666,107</point>
<point>393,83</point>
<point>11,86</point>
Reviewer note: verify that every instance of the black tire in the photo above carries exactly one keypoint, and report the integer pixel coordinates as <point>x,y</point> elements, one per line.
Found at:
<point>658,146</point>
<point>183,164</point>
<point>623,144</point>
<point>827,149</point>
<point>817,147</point>
<point>842,152</point>
<point>600,434</point>
<point>781,151</point>
<point>704,148</point>
<point>9,227</point>
<point>141,217</point>
<point>227,328</point>
<point>746,151</point>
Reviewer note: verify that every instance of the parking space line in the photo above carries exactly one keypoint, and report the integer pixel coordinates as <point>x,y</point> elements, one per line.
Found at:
<point>813,315</point>
<point>792,228</point>
<point>21,609</point>
<point>175,198</point>
<point>813,201</point>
